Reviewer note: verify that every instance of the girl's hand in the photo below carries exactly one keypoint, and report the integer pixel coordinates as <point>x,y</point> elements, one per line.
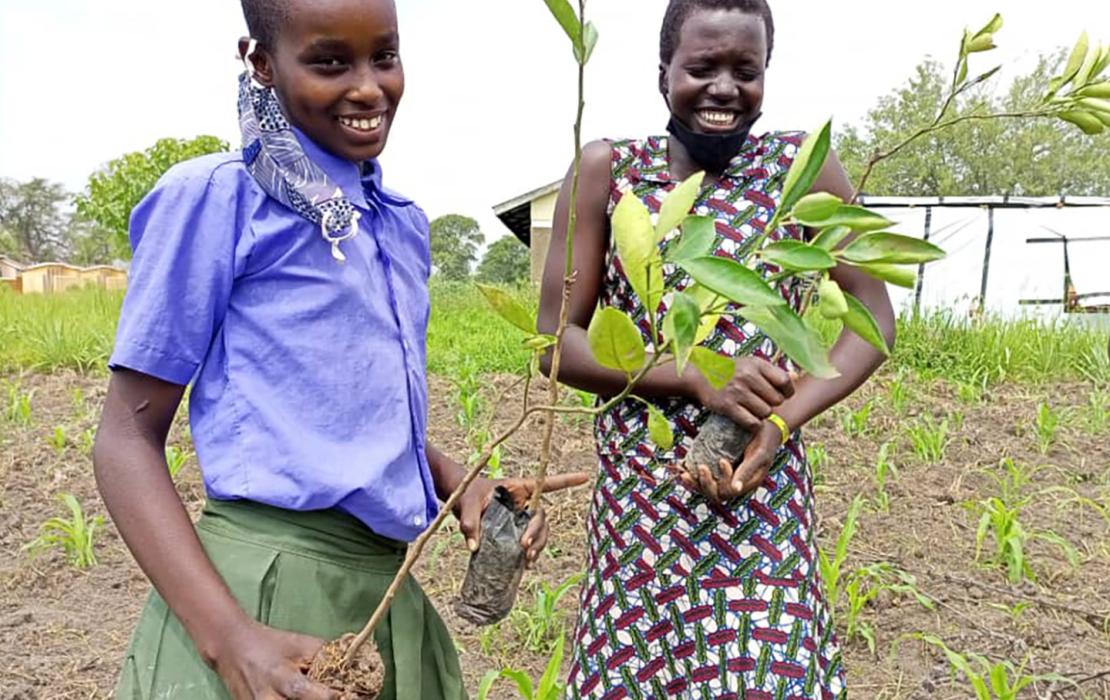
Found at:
<point>257,662</point>
<point>477,498</point>
<point>752,394</point>
<point>752,470</point>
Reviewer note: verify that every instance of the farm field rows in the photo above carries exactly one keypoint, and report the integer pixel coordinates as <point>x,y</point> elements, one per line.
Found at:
<point>963,434</point>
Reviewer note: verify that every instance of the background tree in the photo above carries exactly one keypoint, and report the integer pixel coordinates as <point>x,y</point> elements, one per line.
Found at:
<point>455,241</point>
<point>33,223</point>
<point>1024,157</point>
<point>114,190</point>
<point>506,261</point>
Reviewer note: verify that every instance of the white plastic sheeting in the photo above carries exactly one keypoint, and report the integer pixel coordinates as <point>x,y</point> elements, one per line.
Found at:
<point>1018,270</point>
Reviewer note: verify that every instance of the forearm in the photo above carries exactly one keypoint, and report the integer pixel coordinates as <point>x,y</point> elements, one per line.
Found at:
<point>854,358</point>
<point>579,369</point>
<point>447,474</point>
<point>136,487</point>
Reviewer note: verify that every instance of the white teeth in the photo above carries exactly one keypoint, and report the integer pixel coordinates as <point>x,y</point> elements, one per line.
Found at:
<point>362,124</point>
<point>717,117</point>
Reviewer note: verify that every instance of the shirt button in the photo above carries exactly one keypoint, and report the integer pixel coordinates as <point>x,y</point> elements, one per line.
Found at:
<point>418,521</point>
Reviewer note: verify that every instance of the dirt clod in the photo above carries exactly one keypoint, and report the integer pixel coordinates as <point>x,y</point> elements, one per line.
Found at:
<point>362,680</point>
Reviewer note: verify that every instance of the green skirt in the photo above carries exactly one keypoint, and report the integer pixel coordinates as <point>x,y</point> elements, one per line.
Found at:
<point>319,573</point>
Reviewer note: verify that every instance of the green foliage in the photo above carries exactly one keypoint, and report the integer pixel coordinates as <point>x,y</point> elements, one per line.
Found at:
<point>506,262</point>
<point>899,393</point>
<point>19,404</point>
<point>176,458</point>
<point>1096,414</point>
<point>114,190</point>
<point>548,688</point>
<point>33,225</point>
<point>929,439</point>
<point>74,536</point>
<point>543,623</point>
<point>885,470</point>
<point>864,586</point>
<point>832,570</point>
<point>58,440</point>
<point>817,456</point>
<point>981,157</point>
<point>454,241</point>
<point>1000,517</point>
<point>855,421</point>
<point>1047,424</point>
<point>985,677</point>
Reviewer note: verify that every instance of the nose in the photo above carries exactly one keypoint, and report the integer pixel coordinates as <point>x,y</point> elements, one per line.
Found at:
<point>364,87</point>
<point>724,87</point>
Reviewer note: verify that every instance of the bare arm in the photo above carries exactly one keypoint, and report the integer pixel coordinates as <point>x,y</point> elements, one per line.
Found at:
<point>134,481</point>
<point>591,242</point>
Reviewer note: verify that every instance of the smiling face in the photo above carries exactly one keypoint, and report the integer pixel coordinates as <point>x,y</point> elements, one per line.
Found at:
<point>714,81</point>
<point>336,68</point>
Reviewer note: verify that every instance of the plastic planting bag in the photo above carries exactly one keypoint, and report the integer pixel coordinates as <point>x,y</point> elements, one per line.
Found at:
<point>718,439</point>
<point>493,577</point>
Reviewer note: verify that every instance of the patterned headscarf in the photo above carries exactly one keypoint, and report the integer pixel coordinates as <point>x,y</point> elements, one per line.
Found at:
<point>278,162</point>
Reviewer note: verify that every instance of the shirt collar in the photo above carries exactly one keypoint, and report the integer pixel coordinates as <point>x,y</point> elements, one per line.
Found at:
<point>345,174</point>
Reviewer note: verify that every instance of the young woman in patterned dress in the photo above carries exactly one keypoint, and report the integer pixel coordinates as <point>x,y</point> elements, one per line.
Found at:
<point>703,588</point>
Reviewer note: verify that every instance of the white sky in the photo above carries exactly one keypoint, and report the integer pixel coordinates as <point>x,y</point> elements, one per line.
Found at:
<point>489,98</point>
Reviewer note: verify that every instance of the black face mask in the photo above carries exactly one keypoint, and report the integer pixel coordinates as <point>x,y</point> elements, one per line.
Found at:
<point>711,151</point>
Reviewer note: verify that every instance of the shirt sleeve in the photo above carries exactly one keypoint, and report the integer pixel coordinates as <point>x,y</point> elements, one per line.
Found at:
<point>184,236</point>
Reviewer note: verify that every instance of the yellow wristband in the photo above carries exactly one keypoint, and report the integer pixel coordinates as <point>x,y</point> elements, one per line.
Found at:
<point>777,420</point>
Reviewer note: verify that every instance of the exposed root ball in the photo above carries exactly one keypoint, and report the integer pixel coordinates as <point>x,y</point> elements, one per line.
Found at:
<point>362,680</point>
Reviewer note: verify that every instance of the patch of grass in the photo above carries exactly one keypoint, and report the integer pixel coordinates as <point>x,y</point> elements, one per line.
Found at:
<point>929,439</point>
<point>990,680</point>
<point>47,332</point>
<point>464,333</point>
<point>854,421</point>
<point>540,625</point>
<point>1047,424</point>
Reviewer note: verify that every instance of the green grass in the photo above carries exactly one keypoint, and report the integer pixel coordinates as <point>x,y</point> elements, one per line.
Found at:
<point>75,329</point>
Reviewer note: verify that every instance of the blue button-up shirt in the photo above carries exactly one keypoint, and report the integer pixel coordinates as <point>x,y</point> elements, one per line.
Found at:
<point>308,383</point>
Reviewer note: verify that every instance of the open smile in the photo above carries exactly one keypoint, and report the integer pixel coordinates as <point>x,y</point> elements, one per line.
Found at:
<point>360,125</point>
<point>717,119</point>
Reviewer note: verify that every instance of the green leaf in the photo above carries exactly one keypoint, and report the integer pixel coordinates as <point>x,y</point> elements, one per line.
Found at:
<point>1083,75</point>
<point>540,341</point>
<point>706,300</point>
<point>680,327</point>
<point>717,369</point>
<point>854,217</point>
<point>1087,122</point>
<point>992,27</point>
<point>486,683</point>
<point>635,239</point>
<point>898,276</point>
<point>798,256</point>
<point>568,20</point>
<point>1095,105</point>
<point>615,341</point>
<point>508,308</point>
<point>677,204</point>
<point>983,77</point>
<point>833,303</point>
<point>807,166</point>
<point>861,322</point>
<point>732,280</point>
<point>659,429</point>
<point>891,248</point>
<point>791,334</point>
<point>816,207</point>
<point>981,43</point>
<point>550,679</point>
<point>1099,90</point>
<point>590,41</point>
<point>829,238</point>
<point>696,239</point>
<point>523,682</point>
<point>962,73</point>
<point>1075,60</point>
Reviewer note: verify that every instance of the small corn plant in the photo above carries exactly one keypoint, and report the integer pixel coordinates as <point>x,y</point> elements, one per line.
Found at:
<point>1096,414</point>
<point>77,398</point>
<point>929,439</point>
<point>75,536</point>
<point>58,440</point>
<point>176,459</point>
<point>1047,424</point>
<point>832,570</point>
<point>865,584</point>
<point>817,455</point>
<point>885,470</point>
<point>899,393</point>
<point>854,422</point>
<point>1000,517</point>
<point>19,405</point>
<point>86,441</point>
<point>548,688</point>
<point>539,625</point>
<point>999,680</point>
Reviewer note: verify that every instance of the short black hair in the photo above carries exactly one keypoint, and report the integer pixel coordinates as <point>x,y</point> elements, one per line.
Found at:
<point>678,11</point>
<point>264,19</point>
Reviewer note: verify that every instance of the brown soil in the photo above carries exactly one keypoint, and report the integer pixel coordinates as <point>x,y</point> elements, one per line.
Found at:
<point>63,631</point>
<point>362,679</point>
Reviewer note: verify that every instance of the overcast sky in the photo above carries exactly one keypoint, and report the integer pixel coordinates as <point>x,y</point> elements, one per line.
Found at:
<point>489,98</point>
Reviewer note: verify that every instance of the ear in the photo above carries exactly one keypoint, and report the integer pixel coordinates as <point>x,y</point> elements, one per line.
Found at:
<point>259,60</point>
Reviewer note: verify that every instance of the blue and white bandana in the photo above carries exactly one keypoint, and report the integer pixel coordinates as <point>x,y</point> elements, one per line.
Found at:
<point>277,161</point>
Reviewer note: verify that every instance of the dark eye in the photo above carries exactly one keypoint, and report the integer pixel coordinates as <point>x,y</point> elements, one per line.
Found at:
<point>387,57</point>
<point>699,71</point>
<point>328,64</point>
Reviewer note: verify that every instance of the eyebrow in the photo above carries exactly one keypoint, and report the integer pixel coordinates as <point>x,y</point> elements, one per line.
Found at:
<point>332,44</point>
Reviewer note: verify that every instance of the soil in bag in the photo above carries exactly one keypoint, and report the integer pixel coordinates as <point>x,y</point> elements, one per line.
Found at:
<point>719,438</point>
<point>494,573</point>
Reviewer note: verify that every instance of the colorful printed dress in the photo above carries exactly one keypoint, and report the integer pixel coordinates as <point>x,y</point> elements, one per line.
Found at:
<point>683,599</point>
